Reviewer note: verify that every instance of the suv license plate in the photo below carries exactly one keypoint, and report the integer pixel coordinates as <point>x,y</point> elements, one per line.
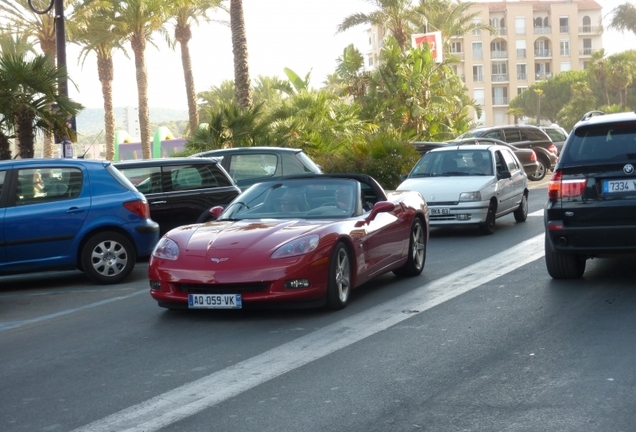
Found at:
<point>439,211</point>
<point>215,301</point>
<point>615,186</point>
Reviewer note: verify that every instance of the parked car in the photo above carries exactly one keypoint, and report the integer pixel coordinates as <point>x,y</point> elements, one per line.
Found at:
<point>302,240</point>
<point>557,134</point>
<point>249,165</point>
<point>66,214</point>
<point>180,191</point>
<point>527,157</point>
<point>470,185</point>
<point>522,136</point>
<point>592,195</point>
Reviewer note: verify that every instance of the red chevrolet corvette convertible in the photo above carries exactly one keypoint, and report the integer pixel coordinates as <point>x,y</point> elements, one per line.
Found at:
<point>304,240</point>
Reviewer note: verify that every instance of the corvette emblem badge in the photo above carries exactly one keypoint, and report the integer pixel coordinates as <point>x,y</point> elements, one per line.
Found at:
<point>218,260</point>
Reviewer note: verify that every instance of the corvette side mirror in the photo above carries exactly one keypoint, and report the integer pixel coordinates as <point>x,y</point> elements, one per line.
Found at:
<point>379,207</point>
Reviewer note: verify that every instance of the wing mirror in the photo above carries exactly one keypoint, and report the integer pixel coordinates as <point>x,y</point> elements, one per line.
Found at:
<point>379,207</point>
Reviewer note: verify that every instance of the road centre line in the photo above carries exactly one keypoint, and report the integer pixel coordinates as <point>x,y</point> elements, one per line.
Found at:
<point>14,324</point>
<point>194,397</point>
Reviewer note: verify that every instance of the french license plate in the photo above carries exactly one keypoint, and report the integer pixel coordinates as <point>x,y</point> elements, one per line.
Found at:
<point>215,301</point>
<point>439,211</point>
<point>614,186</point>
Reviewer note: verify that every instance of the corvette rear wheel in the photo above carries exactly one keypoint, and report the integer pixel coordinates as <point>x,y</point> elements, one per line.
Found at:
<point>417,251</point>
<point>339,285</point>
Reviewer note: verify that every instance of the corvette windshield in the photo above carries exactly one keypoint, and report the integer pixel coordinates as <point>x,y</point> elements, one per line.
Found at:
<point>286,199</point>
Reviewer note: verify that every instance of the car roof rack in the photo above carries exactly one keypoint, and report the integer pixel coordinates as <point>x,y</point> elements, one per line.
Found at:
<point>590,114</point>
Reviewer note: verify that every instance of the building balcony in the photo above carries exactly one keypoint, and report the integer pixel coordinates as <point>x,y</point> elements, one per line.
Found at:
<point>500,100</point>
<point>499,77</point>
<point>498,54</point>
<point>542,30</point>
<point>543,76</point>
<point>564,29</point>
<point>521,53</point>
<point>522,77</point>
<point>501,31</point>
<point>459,55</point>
<point>588,30</point>
<point>542,53</point>
<point>478,78</point>
<point>588,51</point>
<point>478,55</point>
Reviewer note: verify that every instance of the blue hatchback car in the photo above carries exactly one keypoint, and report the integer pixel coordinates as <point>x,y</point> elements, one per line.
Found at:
<point>64,214</point>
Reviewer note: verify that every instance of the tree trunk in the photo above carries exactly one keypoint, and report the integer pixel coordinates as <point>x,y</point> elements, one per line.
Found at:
<point>138,44</point>
<point>26,132</point>
<point>239,49</point>
<point>183,35</point>
<point>5,147</point>
<point>105,72</point>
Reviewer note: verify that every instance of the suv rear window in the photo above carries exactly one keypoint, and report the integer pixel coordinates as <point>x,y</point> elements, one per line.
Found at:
<point>602,142</point>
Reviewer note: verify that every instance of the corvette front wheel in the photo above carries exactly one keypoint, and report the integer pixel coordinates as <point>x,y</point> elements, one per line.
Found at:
<point>339,285</point>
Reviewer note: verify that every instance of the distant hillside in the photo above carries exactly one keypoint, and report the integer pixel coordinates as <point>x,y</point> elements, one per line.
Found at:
<point>91,120</point>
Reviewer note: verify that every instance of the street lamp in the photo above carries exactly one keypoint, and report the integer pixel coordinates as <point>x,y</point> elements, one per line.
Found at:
<point>60,46</point>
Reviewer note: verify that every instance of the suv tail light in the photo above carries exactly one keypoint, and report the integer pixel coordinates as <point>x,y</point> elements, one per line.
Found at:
<point>559,188</point>
<point>139,207</point>
<point>552,149</point>
<point>533,157</point>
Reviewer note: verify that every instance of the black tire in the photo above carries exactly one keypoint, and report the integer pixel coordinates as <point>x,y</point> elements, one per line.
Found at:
<point>488,227</point>
<point>563,266</point>
<point>541,171</point>
<point>521,214</point>
<point>417,251</point>
<point>108,258</point>
<point>339,284</point>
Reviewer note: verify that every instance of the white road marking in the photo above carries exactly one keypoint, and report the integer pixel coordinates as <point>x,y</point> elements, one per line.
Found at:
<point>191,398</point>
<point>537,213</point>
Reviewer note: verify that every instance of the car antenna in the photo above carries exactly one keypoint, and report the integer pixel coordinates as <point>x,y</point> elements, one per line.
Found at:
<point>89,147</point>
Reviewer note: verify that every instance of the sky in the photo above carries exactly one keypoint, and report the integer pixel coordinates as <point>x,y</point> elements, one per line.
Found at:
<point>297,34</point>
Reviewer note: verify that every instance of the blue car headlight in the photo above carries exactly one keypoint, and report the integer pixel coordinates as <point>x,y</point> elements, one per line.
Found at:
<point>166,249</point>
<point>299,246</point>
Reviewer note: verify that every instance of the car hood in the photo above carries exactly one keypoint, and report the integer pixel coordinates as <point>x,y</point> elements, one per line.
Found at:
<point>234,237</point>
<point>445,189</point>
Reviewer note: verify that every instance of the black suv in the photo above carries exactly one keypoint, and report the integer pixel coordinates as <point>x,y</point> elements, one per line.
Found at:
<point>522,136</point>
<point>180,191</point>
<point>591,204</point>
<point>249,165</point>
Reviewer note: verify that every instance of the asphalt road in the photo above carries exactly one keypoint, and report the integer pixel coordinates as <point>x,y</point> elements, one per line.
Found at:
<point>483,340</point>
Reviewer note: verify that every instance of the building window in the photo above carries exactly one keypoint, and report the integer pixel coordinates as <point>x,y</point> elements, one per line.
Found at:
<point>478,73</point>
<point>479,96</point>
<point>521,48</point>
<point>478,52</point>
<point>587,46</point>
<point>564,47</point>
<point>587,25</point>
<point>521,90</point>
<point>476,31</point>
<point>564,24</point>
<point>522,72</point>
<point>456,47</point>
<point>500,95</point>
<point>520,25</point>
<point>565,66</point>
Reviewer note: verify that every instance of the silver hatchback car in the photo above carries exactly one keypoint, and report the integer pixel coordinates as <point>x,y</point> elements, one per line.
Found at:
<point>470,185</point>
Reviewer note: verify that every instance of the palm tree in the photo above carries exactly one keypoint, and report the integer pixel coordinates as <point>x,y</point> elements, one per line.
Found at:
<point>186,12</point>
<point>392,15</point>
<point>28,90</point>
<point>624,18</point>
<point>18,44</point>
<point>137,21</point>
<point>451,17</point>
<point>91,28</point>
<point>239,49</point>
<point>21,17</point>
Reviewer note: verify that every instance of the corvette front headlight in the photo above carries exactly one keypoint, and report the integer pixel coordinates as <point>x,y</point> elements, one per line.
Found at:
<point>299,246</point>
<point>167,249</point>
<point>470,196</point>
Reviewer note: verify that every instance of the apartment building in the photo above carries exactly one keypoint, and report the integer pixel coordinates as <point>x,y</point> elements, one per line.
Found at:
<point>536,39</point>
